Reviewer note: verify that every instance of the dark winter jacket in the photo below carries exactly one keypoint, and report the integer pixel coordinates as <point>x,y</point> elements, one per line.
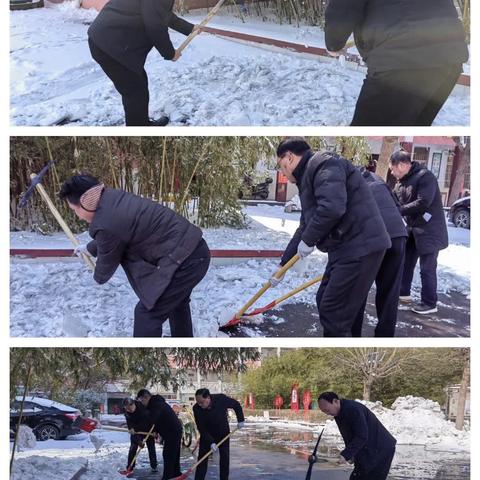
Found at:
<point>149,241</point>
<point>140,420</point>
<point>366,439</point>
<point>212,423</point>
<point>339,213</point>
<point>419,194</point>
<point>166,420</point>
<point>398,34</point>
<point>388,205</point>
<point>128,29</point>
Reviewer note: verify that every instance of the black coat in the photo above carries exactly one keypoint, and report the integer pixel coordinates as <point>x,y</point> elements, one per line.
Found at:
<point>128,29</point>
<point>140,420</point>
<point>398,34</point>
<point>212,423</point>
<point>366,439</point>
<point>418,194</point>
<point>388,205</point>
<point>166,420</point>
<point>149,241</point>
<point>339,213</point>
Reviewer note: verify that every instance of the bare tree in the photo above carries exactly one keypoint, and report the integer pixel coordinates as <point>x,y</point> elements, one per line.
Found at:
<point>388,147</point>
<point>373,364</point>
<point>462,393</point>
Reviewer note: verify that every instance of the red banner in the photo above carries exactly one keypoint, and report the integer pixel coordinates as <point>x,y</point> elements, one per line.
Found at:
<point>307,399</point>
<point>294,401</point>
<point>278,402</point>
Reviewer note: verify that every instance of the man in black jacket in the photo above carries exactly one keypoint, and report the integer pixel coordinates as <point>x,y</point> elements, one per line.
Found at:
<point>211,417</point>
<point>421,206</point>
<point>169,427</point>
<point>414,52</point>
<point>121,37</point>
<point>164,256</point>
<point>368,444</point>
<point>340,217</point>
<point>139,420</point>
<point>389,277</point>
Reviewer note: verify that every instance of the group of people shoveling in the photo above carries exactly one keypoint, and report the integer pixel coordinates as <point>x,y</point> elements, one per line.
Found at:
<point>149,416</point>
<point>369,447</point>
<point>414,52</point>
<point>369,233</point>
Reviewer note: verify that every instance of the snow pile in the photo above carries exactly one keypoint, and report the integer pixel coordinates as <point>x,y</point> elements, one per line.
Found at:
<point>416,421</point>
<point>26,438</point>
<point>97,439</point>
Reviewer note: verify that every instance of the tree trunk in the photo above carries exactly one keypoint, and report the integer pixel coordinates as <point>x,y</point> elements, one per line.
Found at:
<point>462,394</point>
<point>388,147</point>
<point>462,152</point>
<point>367,388</point>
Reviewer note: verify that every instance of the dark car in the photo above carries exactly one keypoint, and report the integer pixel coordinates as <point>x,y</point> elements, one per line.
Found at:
<point>49,420</point>
<point>459,213</point>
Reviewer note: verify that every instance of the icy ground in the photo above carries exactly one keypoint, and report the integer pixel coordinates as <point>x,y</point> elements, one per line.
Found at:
<point>267,448</point>
<point>49,299</point>
<point>216,82</point>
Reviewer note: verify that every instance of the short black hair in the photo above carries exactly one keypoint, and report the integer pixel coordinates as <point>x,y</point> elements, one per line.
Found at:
<point>74,188</point>
<point>296,145</point>
<point>128,401</point>
<point>401,156</point>
<point>143,392</point>
<point>203,392</point>
<point>328,397</point>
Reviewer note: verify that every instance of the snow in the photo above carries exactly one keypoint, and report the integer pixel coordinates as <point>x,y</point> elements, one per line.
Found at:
<point>26,438</point>
<point>45,402</point>
<point>83,308</point>
<point>415,421</point>
<point>216,82</point>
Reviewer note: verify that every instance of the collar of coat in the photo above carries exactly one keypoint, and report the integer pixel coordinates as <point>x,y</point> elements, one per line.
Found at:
<point>302,165</point>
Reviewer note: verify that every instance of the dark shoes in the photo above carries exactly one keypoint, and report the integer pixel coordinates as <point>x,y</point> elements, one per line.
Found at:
<point>159,122</point>
<point>423,309</point>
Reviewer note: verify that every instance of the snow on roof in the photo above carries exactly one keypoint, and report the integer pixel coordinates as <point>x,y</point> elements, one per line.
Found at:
<point>45,402</point>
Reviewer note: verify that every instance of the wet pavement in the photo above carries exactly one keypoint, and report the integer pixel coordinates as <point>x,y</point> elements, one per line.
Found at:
<point>301,320</point>
<point>262,451</point>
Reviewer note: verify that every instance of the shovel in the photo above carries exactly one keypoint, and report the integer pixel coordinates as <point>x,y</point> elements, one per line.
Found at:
<point>185,475</point>
<point>197,30</point>
<point>312,459</point>
<point>129,469</point>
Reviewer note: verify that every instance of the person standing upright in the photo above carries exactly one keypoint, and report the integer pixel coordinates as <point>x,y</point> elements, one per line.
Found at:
<point>421,206</point>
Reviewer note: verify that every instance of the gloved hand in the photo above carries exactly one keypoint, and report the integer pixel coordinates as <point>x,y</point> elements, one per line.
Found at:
<point>131,431</point>
<point>214,447</point>
<point>240,425</point>
<point>80,250</point>
<point>274,281</point>
<point>304,250</point>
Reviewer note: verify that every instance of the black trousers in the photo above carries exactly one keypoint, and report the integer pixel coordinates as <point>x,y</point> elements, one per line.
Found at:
<point>428,273</point>
<point>224,451</point>
<point>132,86</point>
<point>345,285</point>
<point>380,472</point>
<point>174,304</point>
<point>171,454</point>
<point>388,281</point>
<point>404,97</point>
<point>135,441</point>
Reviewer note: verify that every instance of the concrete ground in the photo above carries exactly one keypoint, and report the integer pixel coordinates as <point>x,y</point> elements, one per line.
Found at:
<point>301,320</point>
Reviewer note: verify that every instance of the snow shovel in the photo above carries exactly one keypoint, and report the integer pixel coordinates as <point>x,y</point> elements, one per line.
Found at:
<point>185,475</point>
<point>278,274</point>
<point>197,30</point>
<point>312,459</point>
<point>37,185</point>
<point>129,469</point>
<point>276,302</point>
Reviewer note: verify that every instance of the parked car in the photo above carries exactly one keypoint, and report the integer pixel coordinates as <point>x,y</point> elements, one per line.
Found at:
<point>49,420</point>
<point>459,213</point>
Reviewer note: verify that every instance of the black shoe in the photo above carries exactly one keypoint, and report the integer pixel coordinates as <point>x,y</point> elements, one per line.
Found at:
<point>423,309</point>
<point>159,122</point>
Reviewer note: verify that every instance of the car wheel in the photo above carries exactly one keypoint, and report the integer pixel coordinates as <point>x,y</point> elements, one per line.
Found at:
<point>461,219</point>
<point>47,432</point>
